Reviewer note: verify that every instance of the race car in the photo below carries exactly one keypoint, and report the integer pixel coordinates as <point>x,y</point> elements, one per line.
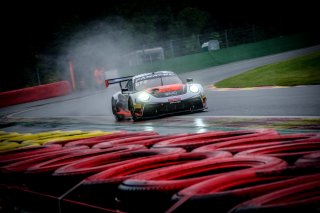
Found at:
<point>155,94</point>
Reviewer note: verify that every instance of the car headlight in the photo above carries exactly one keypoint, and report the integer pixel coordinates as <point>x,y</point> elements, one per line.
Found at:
<point>194,88</point>
<point>144,96</point>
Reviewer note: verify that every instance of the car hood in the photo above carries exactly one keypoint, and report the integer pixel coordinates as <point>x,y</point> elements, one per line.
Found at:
<point>167,90</point>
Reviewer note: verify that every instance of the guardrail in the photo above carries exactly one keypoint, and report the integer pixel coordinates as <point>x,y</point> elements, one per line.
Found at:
<point>35,93</point>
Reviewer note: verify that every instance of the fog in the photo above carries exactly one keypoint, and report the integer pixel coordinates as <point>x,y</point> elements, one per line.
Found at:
<point>98,45</point>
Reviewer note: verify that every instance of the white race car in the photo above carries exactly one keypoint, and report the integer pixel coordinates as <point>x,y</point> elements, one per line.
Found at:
<point>154,94</point>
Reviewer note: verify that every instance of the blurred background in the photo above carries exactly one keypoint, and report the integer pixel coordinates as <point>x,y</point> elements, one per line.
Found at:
<point>45,41</point>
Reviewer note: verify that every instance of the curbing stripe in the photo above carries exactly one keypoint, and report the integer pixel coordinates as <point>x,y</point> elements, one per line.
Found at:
<point>213,88</point>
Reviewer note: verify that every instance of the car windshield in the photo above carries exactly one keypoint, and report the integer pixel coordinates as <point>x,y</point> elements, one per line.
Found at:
<point>142,84</point>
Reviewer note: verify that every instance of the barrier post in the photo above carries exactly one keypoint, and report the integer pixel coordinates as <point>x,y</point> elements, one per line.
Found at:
<point>72,76</point>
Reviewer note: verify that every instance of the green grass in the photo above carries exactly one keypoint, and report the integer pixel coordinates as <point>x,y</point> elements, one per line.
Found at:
<point>303,70</point>
<point>241,52</point>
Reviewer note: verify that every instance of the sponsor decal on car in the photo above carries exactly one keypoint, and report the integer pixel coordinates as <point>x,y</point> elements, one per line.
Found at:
<point>151,76</point>
<point>170,89</point>
<point>174,100</point>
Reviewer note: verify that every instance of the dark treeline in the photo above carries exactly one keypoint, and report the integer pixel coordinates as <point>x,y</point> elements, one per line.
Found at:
<point>36,32</point>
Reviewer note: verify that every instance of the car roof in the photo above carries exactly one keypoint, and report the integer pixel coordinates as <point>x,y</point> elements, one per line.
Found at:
<point>153,73</point>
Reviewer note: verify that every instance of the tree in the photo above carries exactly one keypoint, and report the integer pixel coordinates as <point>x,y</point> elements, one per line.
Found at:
<point>191,21</point>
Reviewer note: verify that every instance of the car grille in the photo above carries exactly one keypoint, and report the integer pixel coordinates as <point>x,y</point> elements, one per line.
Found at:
<point>193,104</point>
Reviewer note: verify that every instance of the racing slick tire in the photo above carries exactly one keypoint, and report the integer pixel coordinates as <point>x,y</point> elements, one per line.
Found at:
<point>142,192</point>
<point>115,110</point>
<point>303,197</point>
<point>132,110</point>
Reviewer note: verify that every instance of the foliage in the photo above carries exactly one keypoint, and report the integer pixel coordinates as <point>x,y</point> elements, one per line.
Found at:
<point>191,20</point>
<point>144,21</point>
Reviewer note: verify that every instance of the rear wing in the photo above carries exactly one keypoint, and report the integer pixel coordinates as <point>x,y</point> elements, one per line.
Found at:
<point>124,88</point>
<point>117,80</point>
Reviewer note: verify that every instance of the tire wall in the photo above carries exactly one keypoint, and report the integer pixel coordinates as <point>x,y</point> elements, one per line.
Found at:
<point>162,174</point>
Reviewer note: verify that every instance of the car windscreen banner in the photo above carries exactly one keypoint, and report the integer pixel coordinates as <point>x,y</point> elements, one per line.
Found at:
<point>152,76</point>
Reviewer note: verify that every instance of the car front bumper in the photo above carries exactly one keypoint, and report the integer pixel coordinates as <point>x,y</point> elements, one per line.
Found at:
<point>187,105</point>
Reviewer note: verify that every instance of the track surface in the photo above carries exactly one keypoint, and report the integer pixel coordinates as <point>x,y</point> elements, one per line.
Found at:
<point>95,105</point>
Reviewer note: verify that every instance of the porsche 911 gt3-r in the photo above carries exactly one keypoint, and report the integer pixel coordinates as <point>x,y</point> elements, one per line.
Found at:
<point>155,94</point>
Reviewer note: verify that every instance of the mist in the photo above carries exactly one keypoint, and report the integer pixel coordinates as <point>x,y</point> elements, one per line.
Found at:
<point>98,45</point>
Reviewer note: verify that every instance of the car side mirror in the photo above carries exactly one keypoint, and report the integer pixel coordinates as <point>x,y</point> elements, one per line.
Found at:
<point>189,80</point>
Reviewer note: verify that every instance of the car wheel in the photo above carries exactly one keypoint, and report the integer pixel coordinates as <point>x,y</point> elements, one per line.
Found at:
<point>131,108</point>
<point>115,110</point>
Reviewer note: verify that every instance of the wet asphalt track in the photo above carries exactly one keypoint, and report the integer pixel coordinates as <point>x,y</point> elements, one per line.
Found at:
<point>93,108</point>
<point>295,101</point>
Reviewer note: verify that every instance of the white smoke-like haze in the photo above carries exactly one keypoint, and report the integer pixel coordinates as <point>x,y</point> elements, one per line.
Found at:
<point>99,45</point>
